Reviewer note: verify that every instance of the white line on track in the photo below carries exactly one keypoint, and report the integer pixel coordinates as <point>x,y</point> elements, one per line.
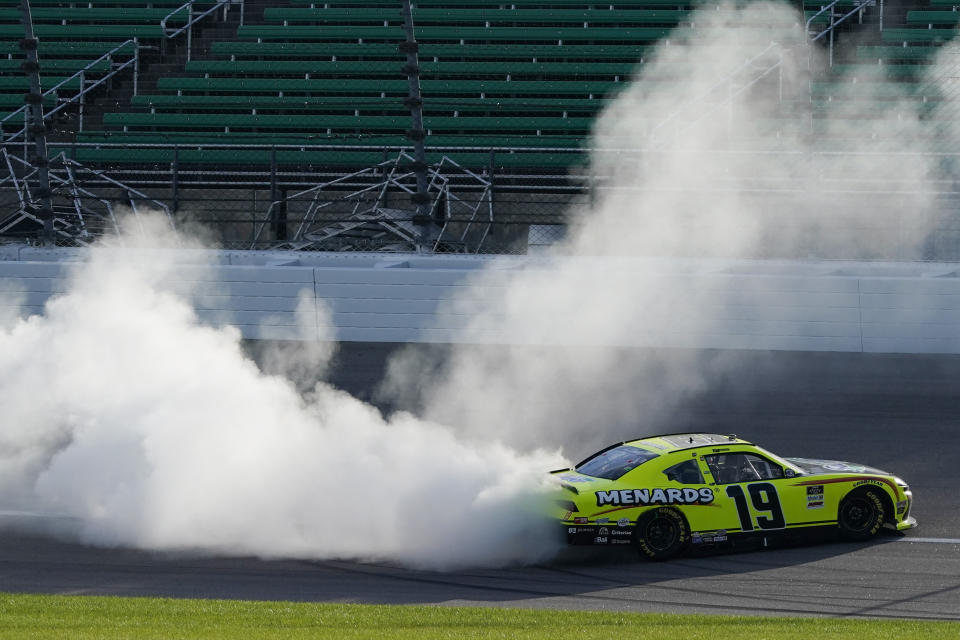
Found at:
<point>930,540</point>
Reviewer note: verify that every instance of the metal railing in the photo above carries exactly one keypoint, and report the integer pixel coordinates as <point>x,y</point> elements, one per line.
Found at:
<point>359,215</point>
<point>696,104</point>
<point>81,215</point>
<point>193,18</point>
<point>85,88</point>
<point>858,7</point>
<point>243,206</point>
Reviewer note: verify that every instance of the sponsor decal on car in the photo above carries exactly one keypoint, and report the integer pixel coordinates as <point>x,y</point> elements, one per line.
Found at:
<point>620,541</point>
<point>654,496</point>
<point>581,530</point>
<point>815,496</point>
<point>622,532</point>
<point>623,522</point>
<point>603,531</point>
<point>600,540</point>
<point>581,520</point>
<point>602,520</point>
<point>883,481</point>
<point>860,483</point>
<point>708,537</point>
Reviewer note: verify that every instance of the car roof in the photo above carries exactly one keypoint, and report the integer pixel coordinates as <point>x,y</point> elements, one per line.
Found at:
<point>669,442</point>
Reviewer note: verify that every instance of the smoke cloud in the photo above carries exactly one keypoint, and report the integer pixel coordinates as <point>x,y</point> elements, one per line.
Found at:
<point>715,154</point>
<point>153,430</point>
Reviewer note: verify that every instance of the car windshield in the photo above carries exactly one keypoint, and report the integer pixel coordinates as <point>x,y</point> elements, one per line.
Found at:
<point>613,463</point>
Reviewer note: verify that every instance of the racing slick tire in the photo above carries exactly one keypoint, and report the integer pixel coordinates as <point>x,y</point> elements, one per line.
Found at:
<point>661,533</point>
<point>861,514</point>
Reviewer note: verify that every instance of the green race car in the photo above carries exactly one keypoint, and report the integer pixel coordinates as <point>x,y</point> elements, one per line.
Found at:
<point>671,492</point>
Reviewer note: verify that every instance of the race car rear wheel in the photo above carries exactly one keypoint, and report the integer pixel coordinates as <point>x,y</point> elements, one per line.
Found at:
<point>861,514</point>
<point>661,533</point>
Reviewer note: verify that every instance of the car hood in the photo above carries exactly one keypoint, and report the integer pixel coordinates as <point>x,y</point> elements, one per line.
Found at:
<point>814,467</point>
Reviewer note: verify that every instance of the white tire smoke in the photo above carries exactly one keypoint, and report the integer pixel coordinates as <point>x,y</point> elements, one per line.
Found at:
<point>124,412</point>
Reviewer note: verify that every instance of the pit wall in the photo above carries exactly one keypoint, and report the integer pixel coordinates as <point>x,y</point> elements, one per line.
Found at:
<point>767,305</point>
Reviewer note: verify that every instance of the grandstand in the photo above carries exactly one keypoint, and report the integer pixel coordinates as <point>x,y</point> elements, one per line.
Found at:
<point>252,116</point>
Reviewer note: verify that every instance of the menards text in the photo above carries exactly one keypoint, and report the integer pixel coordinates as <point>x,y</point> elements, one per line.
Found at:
<point>655,496</point>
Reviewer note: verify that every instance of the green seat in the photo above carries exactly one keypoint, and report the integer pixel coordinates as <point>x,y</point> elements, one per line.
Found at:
<point>816,5</point>
<point>248,121</point>
<point>20,82</point>
<point>228,157</point>
<point>85,31</point>
<point>366,150</point>
<point>365,104</point>
<point>302,49</point>
<point>927,36</point>
<point>69,65</point>
<point>875,91</point>
<point>268,139</point>
<point>431,50</point>
<point>183,121</point>
<point>888,53</point>
<point>466,16</point>
<point>83,14</point>
<point>50,48</point>
<point>10,102</point>
<point>201,102</point>
<point>877,72</point>
<point>392,68</point>
<point>173,4</point>
<point>509,34</point>
<point>331,159</point>
<point>523,4</point>
<point>869,109</point>
<point>399,86</point>
<point>939,18</point>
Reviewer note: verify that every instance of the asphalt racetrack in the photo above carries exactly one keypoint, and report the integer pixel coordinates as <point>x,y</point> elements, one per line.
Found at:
<point>899,413</point>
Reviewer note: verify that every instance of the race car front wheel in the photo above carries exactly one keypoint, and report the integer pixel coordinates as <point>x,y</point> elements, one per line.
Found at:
<point>861,514</point>
<point>661,533</point>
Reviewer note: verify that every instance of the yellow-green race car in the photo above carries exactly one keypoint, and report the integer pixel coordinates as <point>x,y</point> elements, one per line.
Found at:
<point>667,493</point>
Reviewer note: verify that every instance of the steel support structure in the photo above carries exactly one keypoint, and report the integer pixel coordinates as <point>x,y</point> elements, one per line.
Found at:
<point>417,133</point>
<point>36,129</point>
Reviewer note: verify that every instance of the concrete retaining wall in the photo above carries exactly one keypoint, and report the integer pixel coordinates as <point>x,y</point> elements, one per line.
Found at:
<point>797,306</point>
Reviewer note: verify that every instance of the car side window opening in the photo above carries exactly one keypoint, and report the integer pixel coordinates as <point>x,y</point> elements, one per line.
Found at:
<point>613,463</point>
<point>728,468</point>
<point>687,472</point>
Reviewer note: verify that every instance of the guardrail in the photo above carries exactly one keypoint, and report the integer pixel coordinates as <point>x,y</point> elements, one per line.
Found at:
<point>85,88</point>
<point>193,18</point>
<point>858,7</point>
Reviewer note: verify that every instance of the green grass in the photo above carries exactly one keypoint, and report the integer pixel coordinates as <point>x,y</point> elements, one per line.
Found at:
<point>80,617</point>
